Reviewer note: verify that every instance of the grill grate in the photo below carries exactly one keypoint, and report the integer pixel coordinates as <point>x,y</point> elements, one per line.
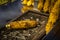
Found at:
<point>25,34</point>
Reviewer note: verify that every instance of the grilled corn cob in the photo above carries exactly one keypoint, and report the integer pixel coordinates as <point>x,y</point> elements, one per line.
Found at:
<point>30,3</point>
<point>53,16</point>
<point>24,1</point>
<point>6,1</point>
<point>24,9</point>
<point>40,5</point>
<point>52,4</point>
<point>46,5</point>
<point>21,24</point>
<point>13,0</point>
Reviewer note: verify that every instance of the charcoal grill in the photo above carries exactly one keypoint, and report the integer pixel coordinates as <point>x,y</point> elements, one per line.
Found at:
<point>26,34</point>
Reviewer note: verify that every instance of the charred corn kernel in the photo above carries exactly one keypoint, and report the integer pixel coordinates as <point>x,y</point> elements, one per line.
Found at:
<point>30,2</point>
<point>21,24</point>
<point>52,4</point>
<point>46,5</point>
<point>40,5</point>
<point>53,16</point>
<point>24,1</point>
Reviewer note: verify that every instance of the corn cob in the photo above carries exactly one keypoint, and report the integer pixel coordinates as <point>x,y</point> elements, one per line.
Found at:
<point>24,9</point>
<point>46,5</point>
<point>40,5</point>
<point>52,4</point>
<point>24,2</point>
<point>30,3</point>
<point>21,24</point>
<point>53,16</point>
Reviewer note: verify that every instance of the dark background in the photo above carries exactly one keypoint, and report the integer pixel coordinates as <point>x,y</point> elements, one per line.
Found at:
<point>9,11</point>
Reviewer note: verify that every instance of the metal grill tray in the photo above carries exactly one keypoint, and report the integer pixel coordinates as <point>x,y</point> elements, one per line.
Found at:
<point>26,34</point>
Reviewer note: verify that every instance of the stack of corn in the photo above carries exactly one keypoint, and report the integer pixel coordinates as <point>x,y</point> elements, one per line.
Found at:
<point>53,7</point>
<point>27,5</point>
<point>53,16</point>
